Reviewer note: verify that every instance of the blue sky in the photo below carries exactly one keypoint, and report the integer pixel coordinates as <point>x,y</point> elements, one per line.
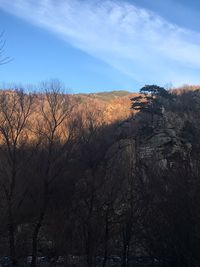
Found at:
<point>93,45</point>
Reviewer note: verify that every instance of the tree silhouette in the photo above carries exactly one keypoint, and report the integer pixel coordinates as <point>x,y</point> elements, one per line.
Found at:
<point>149,100</point>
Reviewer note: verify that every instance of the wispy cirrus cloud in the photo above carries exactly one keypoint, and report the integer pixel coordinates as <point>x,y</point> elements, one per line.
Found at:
<point>136,41</point>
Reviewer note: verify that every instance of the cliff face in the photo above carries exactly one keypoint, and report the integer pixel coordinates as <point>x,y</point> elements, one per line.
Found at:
<point>165,143</point>
<point>168,139</point>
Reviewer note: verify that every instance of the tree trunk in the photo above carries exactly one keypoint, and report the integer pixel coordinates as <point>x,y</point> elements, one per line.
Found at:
<point>11,223</point>
<point>11,232</point>
<point>89,251</point>
<point>37,229</point>
<point>35,240</point>
<point>124,255</point>
<point>106,243</point>
<point>126,245</point>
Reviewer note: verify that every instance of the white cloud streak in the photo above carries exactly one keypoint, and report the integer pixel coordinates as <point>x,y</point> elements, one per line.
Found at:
<point>136,41</point>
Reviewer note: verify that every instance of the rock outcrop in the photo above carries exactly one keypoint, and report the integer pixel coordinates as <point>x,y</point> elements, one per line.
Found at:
<point>163,146</point>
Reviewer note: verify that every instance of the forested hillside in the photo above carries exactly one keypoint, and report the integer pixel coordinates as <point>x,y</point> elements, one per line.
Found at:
<point>96,180</point>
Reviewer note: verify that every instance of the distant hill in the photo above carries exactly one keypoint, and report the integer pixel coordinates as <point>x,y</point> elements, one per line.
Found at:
<point>107,96</point>
<point>113,105</point>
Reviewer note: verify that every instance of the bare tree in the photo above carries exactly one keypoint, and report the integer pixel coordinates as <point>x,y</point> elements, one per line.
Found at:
<point>15,110</point>
<point>54,139</point>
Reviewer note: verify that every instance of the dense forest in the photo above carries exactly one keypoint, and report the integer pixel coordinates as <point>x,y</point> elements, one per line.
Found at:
<point>100,180</point>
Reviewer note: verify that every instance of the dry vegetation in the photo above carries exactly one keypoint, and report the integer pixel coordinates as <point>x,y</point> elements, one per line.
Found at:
<point>74,190</point>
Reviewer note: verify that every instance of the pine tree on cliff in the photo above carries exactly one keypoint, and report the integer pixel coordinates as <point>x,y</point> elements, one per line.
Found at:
<point>150,100</point>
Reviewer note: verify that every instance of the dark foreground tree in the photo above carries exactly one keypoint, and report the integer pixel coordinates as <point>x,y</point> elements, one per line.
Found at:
<point>15,110</point>
<point>54,139</point>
